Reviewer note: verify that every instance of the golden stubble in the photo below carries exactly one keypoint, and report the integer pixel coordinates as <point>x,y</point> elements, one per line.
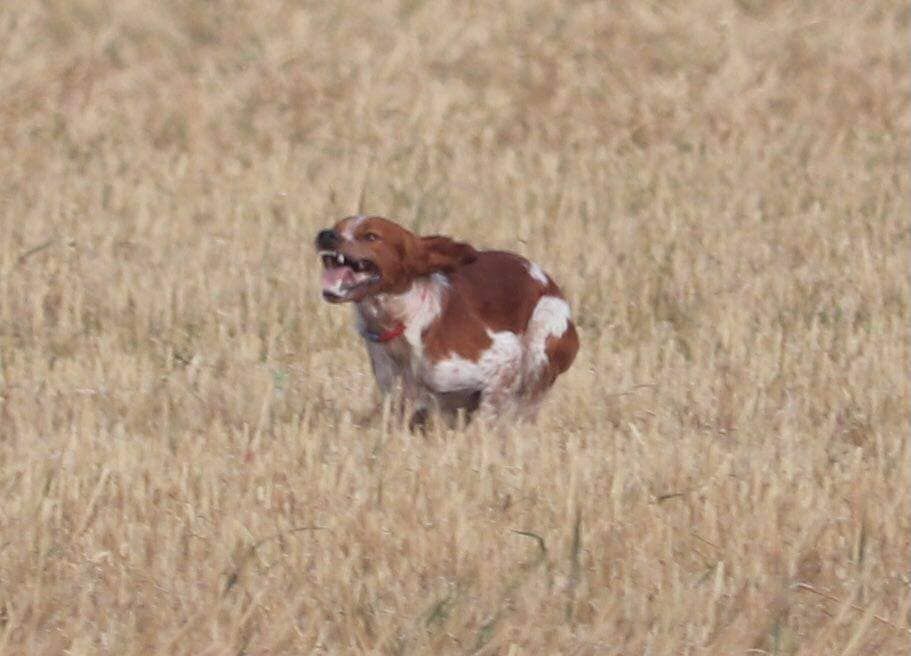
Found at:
<point>188,456</point>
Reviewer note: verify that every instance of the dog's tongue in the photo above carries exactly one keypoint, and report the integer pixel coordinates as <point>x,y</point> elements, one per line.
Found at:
<point>336,278</point>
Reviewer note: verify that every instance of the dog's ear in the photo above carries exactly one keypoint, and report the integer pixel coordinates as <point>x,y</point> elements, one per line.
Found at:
<point>438,253</point>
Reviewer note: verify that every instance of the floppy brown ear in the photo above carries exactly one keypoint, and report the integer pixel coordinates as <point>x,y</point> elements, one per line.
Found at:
<point>438,253</point>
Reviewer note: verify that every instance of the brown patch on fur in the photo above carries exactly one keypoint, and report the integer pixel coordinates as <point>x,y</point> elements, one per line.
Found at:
<point>386,244</point>
<point>499,289</point>
<point>494,292</point>
<point>561,351</point>
<point>438,253</point>
<point>457,330</point>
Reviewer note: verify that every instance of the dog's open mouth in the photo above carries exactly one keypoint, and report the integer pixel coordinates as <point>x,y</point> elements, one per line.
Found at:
<point>344,278</point>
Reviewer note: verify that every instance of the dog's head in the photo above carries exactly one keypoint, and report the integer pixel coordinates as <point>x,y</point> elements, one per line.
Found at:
<point>363,256</point>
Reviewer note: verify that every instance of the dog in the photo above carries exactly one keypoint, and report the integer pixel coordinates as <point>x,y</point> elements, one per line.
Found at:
<point>451,327</point>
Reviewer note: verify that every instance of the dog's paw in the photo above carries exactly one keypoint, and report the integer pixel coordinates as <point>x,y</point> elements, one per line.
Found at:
<point>418,421</point>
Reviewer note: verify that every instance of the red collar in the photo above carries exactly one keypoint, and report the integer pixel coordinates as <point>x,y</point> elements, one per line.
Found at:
<point>386,335</point>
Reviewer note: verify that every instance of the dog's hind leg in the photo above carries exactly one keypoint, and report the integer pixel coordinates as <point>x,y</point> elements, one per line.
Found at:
<point>544,363</point>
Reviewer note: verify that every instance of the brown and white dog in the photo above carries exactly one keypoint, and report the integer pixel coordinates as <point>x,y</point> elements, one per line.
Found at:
<point>452,326</point>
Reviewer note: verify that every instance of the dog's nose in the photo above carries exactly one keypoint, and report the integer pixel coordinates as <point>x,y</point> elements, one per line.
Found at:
<point>326,240</point>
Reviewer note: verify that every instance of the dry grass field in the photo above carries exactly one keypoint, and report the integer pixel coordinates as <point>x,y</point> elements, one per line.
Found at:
<point>187,462</point>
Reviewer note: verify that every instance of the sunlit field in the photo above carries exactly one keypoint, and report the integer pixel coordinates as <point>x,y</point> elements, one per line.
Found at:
<point>192,456</point>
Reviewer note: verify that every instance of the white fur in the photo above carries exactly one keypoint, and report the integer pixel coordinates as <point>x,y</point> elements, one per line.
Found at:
<point>549,318</point>
<point>416,309</point>
<point>502,359</point>
<point>422,308</point>
<point>536,272</point>
<point>351,226</point>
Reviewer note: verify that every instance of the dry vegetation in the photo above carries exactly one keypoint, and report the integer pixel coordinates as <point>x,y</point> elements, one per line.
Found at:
<point>720,186</point>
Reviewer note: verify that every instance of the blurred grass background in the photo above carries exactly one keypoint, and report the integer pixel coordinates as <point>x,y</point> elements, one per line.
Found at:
<point>720,187</point>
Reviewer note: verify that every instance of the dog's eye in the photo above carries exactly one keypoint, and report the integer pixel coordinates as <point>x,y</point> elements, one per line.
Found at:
<point>371,236</point>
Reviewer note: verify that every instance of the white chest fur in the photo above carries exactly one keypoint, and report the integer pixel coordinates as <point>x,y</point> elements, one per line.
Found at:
<point>416,309</point>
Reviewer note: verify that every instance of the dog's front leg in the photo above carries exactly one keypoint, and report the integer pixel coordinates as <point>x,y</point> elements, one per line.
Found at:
<point>388,375</point>
<point>417,401</point>
<point>386,370</point>
<point>396,380</point>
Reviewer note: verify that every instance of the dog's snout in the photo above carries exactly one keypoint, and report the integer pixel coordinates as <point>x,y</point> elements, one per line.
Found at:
<point>326,240</point>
